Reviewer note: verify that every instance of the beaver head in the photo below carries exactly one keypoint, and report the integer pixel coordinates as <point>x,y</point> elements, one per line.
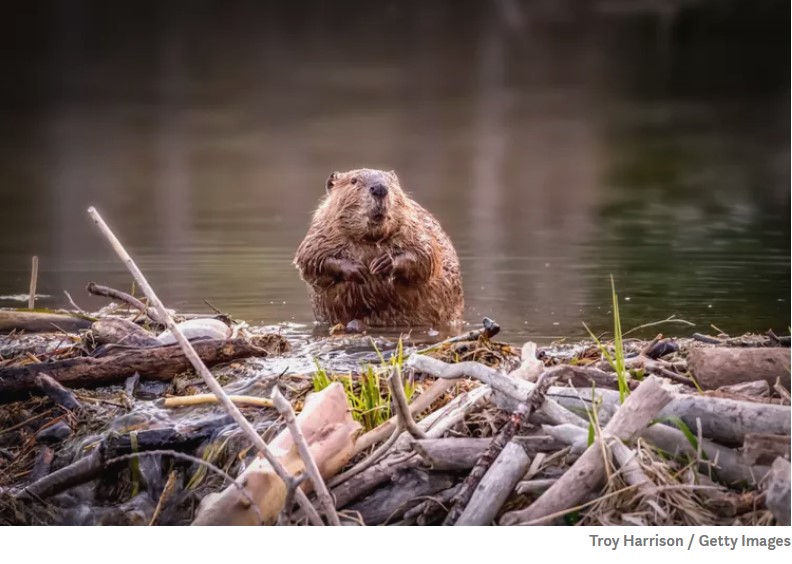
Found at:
<point>365,203</point>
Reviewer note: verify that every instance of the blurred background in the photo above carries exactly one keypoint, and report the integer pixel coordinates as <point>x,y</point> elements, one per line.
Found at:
<point>557,141</point>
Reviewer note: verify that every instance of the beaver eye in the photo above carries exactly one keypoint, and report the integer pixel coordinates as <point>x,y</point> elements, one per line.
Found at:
<point>354,181</point>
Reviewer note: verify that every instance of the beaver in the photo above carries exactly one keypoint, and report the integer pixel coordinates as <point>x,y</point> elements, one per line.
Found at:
<point>373,254</point>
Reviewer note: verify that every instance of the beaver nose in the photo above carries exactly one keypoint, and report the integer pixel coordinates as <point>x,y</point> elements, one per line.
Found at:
<point>379,190</point>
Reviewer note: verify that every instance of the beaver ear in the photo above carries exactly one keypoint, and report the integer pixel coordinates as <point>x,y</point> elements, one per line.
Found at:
<point>331,181</point>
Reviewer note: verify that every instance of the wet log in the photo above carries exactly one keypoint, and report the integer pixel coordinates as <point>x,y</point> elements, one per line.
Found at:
<point>161,363</point>
<point>328,428</point>
<point>118,331</point>
<point>496,486</point>
<point>386,470</point>
<point>57,393</point>
<point>588,472</point>
<point>390,503</point>
<point>41,322</point>
<point>721,366</point>
<point>778,496</point>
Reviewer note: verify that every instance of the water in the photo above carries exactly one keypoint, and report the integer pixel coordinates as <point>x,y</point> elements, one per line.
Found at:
<point>556,144</point>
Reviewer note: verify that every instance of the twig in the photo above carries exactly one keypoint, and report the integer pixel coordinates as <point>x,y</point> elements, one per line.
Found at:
<point>112,293</point>
<point>671,319</point>
<point>489,329</point>
<point>782,391</point>
<point>201,369</point>
<point>284,517</point>
<point>370,460</point>
<point>166,493</point>
<point>74,305</point>
<point>33,282</point>
<point>311,469</point>
<point>706,339</point>
<point>198,399</point>
<point>400,404</point>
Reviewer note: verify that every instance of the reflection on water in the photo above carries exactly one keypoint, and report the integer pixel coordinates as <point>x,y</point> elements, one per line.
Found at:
<point>557,144</point>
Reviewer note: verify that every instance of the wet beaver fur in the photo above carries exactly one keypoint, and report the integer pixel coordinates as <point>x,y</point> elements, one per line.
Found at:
<point>373,254</point>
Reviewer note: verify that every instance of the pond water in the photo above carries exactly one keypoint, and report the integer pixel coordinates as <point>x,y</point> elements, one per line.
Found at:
<point>556,145</point>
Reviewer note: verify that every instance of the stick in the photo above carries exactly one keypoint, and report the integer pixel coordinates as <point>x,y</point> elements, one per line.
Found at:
<point>112,293</point>
<point>671,319</point>
<point>495,486</point>
<point>199,399</point>
<point>400,404</point>
<point>57,393</point>
<point>199,366</point>
<point>33,282</point>
<point>424,401</point>
<point>311,469</point>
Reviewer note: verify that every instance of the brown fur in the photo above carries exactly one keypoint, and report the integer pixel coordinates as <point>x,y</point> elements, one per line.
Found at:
<point>384,261</point>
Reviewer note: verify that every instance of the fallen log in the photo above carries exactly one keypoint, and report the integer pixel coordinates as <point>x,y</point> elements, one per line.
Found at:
<point>720,366</point>
<point>328,428</point>
<point>41,322</point>
<point>119,331</point>
<point>161,363</point>
<point>588,471</point>
<point>496,486</point>
<point>402,494</point>
<point>57,393</point>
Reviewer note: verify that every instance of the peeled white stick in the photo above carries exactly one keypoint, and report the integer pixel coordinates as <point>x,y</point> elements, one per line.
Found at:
<point>200,368</point>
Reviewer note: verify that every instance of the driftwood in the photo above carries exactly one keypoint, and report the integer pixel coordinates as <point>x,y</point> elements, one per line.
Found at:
<point>39,322</point>
<point>755,388</point>
<point>723,420</point>
<point>113,294</point>
<point>161,363</point>
<point>329,431</point>
<point>385,470</point>
<point>403,493</point>
<point>778,497</point>
<point>496,486</point>
<point>119,331</point>
<point>764,448</point>
<point>57,393</point>
<point>589,470</point>
<point>461,453</point>
<point>721,366</point>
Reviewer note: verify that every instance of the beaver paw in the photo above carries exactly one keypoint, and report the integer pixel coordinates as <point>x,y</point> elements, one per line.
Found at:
<point>383,265</point>
<point>352,271</point>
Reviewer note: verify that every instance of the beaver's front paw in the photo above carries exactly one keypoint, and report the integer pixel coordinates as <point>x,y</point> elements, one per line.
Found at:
<point>350,271</point>
<point>383,265</point>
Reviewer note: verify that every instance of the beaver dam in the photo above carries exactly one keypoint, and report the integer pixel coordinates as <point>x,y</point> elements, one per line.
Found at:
<point>138,415</point>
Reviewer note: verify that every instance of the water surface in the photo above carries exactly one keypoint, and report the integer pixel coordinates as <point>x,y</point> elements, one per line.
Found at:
<point>556,144</point>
